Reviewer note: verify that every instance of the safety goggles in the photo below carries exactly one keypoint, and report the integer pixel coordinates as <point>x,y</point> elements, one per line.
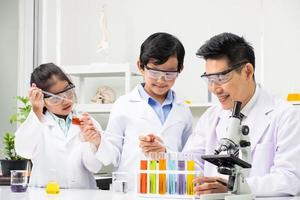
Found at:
<point>220,78</point>
<point>157,74</point>
<point>65,95</point>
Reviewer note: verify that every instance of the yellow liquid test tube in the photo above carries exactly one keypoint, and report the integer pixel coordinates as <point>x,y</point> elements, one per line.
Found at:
<point>152,177</point>
<point>162,176</point>
<point>190,177</point>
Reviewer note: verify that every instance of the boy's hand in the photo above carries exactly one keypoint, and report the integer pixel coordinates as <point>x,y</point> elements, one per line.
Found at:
<point>36,98</point>
<point>89,131</point>
<point>151,143</point>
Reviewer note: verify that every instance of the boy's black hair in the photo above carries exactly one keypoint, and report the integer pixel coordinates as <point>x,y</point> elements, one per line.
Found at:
<point>160,47</point>
<point>43,74</point>
<point>227,45</point>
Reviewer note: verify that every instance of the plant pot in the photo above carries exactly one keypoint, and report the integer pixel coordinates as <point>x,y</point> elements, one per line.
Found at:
<point>7,165</point>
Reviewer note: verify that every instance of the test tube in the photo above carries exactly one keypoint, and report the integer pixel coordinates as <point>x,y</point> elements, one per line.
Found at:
<point>143,176</point>
<point>162,175</point>
<point>181,177</point>
<point>76,117</point>
<point>190,176</point>
<point>152,173</point>
<point>171,177</point>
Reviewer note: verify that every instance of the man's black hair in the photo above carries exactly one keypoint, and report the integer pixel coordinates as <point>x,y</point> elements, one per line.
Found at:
<point>227,45</point>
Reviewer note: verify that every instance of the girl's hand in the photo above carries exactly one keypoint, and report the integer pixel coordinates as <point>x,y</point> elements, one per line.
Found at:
<point>89,131</point>
<point>151,143</point>
<point>36,99</point>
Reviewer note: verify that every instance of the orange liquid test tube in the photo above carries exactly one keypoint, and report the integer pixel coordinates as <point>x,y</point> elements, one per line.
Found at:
<point>162,176</point>
<point>143,177</point>
<point>75,120</point>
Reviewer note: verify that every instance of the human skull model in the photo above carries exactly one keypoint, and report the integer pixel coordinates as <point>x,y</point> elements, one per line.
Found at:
<point>104,95</point>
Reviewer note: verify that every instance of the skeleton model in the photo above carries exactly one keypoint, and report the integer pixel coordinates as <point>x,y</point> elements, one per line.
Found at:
<point>103,44</point>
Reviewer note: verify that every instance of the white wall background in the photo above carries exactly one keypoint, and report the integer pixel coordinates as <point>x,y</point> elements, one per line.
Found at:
<point>271,26</point>
<point>8,63</point>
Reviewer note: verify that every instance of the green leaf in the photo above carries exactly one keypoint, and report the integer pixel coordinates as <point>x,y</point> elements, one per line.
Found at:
<point>9,138</point>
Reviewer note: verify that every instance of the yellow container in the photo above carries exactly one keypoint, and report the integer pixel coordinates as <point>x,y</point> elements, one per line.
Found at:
<point>52,187</point>
<point>293,97</point>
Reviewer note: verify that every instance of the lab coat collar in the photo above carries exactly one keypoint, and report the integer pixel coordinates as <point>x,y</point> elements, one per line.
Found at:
<point>134,95</point>
<point>248,107</point>
<point>147,113</point>
<point>259,117</point>
<point>72,132</point>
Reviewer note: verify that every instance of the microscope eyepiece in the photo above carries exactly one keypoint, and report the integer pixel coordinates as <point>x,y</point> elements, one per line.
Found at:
<point>236,109</point>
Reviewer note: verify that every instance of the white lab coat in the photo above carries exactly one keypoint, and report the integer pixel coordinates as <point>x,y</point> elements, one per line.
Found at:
<point>274,135</point>
<point>54,156</point>
<point>132,117</point>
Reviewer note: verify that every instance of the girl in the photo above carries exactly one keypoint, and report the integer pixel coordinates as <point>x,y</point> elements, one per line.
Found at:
<point>151,116</point>
<point>49,138</point>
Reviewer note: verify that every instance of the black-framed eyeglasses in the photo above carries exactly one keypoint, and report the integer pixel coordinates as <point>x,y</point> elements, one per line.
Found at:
<point>157,73</point>
<point>220,78</point>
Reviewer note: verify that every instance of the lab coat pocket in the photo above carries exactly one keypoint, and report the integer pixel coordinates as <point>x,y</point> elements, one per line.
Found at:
<point>262,159</point>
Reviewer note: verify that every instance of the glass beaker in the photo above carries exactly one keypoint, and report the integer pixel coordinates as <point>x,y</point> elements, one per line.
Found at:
<point>120,182</point>
<point>18,180</point>
<point>52,186</point>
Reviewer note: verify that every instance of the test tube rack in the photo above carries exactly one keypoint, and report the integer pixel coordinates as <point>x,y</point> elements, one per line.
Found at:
<point>164,178</point>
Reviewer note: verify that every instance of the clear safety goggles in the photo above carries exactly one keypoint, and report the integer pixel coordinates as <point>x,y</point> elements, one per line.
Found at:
<point>157,74</point>
<point>65,95</point>
<point>220,78</point>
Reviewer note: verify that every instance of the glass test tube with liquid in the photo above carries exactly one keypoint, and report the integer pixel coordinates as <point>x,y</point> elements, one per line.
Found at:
<point>162,165</point>
<point>191,176</point>
<point>171,177</point>
<point>152,176</point>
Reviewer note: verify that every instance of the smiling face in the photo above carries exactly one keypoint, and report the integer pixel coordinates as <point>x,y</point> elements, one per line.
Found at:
<point>65,107</point>
<point>158,88</point>
<point>240,87</point>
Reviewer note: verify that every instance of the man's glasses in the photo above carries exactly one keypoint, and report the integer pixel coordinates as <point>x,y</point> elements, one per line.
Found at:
<point>220,78</point>
<point>65,95</point>
<point>157,74</point>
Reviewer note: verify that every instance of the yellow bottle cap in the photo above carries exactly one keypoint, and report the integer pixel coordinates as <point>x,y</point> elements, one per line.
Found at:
<point>293,97</point>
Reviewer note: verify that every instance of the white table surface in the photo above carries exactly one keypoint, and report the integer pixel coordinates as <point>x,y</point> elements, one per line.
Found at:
<point>76,194</point>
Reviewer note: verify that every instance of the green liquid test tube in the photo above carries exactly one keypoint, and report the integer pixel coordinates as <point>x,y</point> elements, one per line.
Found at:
<point>152,177</point>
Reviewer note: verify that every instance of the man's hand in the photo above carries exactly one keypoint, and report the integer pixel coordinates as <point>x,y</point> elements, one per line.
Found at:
<point>208,185</point>
<point>89,131</point>
<point>151,143</point>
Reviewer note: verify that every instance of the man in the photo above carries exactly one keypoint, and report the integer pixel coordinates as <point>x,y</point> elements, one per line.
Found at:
<point>274,124</point>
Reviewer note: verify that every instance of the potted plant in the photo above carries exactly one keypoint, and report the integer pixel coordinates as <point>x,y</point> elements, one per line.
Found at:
<point>11,160</point>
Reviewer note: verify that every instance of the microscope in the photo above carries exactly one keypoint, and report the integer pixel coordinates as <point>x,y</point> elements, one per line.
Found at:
<point>233,157</point>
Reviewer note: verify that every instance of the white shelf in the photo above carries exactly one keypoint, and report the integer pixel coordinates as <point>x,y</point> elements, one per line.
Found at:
<point>99,70</point>
<point>295,103</point>
<point>94,108</point>
<point>200,105</point>
<point>106,108</point>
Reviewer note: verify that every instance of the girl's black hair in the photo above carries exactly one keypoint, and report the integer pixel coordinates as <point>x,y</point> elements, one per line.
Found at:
<point>42,76</point>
